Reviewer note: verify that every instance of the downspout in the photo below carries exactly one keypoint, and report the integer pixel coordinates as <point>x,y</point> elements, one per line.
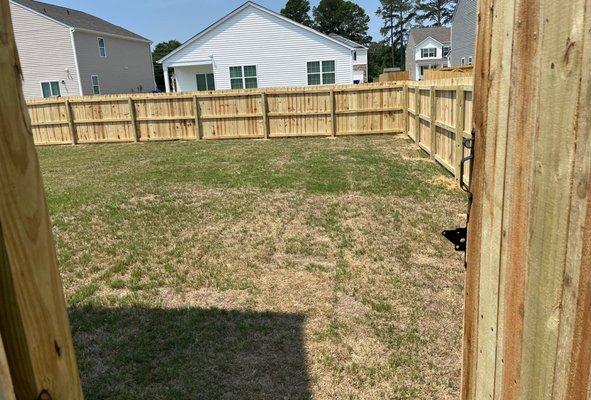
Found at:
<point>72,30</point>
<point>154,87</point>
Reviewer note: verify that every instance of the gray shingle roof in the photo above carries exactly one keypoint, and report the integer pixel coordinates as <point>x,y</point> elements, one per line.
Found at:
<point>346,41</point>
<point>440,33</point>
<point>77,19</point>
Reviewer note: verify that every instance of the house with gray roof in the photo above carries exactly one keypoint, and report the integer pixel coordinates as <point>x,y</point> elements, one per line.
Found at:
<point>254,47</point>
<point>427,48</point>
<point>463,33</point>
<point>65,52</point>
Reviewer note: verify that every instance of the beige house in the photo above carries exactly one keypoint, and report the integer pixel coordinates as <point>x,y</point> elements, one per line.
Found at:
<point>65,52</point>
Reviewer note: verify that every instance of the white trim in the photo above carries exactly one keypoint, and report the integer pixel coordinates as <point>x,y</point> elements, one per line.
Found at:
<point>321,73</point>
<point>207,61</point>
<point>238,10</point>
<point>423,49</point>
<point>207,88</point>
<point>244,77</point>
<point>93,85</point>
<point>76,61</point>
<point>104,47</point>
<point>435,40</point>
<point>50,82</point>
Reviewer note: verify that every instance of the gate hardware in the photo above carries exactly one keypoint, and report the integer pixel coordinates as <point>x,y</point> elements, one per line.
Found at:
<point>457,237</point>
<point>467,143</point>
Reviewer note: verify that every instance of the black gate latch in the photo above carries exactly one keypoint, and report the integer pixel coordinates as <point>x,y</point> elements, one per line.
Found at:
<point>458,236</point>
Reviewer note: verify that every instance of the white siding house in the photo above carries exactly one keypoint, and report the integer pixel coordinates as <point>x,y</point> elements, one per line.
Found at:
<point>427,48</point>
<point>255,47</point>
<point>65,52</point>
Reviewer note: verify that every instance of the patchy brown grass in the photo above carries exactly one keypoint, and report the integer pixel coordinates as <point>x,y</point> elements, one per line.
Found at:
<point>288,269</point>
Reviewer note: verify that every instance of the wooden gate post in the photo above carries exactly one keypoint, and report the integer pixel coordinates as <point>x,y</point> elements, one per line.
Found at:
<point>33,320</point>
<point>527,326</point>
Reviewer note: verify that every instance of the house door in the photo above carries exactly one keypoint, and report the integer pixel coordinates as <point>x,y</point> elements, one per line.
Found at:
<point>205,82</point>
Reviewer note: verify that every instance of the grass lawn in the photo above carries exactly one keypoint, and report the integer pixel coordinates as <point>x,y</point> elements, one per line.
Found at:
<point>281,269</point>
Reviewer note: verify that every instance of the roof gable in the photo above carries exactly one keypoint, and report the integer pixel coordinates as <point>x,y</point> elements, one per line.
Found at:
<point>77,19</point>
<point>441,34</point>
<point>243,7</point>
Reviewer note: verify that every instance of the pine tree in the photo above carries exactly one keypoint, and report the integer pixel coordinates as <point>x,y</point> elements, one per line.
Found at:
<point>397,16</point>
<point>344,18</point>
<point>435,12</point>
<point>298,11</point>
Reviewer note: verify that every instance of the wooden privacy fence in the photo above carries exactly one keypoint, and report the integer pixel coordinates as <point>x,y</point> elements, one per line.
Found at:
<point>435,114</point>
<point>294,112</point>
<point>448,73</point>
<point>439,118</point>
<point>394,76</point>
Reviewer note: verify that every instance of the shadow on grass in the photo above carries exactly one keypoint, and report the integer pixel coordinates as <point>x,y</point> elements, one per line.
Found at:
<point>144,353</point>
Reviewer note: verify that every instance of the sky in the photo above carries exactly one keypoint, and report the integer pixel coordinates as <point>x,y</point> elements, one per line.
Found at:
<point>163,20</point>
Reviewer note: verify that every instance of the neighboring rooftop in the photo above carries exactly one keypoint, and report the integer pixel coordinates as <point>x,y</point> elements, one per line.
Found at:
<point>346,41</point>
<point>440,33</point>
<point>77,19</point>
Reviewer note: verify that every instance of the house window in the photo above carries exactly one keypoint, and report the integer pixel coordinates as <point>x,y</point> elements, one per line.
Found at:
<point>321,73</point>
<point>463,61</point>
<point>243,77</point>
<point>205,82</point>
<point>96,87</point>
<point>446,50</point>
<point>469,60</point>
<point>429,52</point>
<point>102,48</point>
<point>50,89</point>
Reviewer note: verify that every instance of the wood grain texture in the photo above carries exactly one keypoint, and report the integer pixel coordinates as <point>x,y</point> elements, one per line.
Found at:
<point>6,389</point>
<point>529,225</point>
<point>33,320</point>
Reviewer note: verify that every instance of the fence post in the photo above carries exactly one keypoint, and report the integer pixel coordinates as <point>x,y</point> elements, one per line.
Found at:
<point>405,108</point>
<point>417,115</point>
<point>433,118</point>
<point>133,121</point>
<point>198,126</point>
<point>33,319</point>
<point>6,387</point>
<point>333,115</point>
<point>265,113</point>
<point>71,125</point>
<point>459,130</point>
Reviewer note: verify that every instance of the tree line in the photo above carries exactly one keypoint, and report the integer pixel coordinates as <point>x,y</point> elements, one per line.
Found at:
<point>348,19</point>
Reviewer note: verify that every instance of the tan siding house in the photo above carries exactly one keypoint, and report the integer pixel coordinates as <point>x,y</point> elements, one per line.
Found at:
<point>35,35</point>
<point>127,67</point>
<point>66,52</point>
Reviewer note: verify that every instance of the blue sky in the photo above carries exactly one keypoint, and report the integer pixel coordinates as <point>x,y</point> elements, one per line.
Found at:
<point>161,20</point>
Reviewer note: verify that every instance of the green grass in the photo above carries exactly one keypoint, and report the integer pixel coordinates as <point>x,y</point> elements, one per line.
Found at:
<point>304,268</point>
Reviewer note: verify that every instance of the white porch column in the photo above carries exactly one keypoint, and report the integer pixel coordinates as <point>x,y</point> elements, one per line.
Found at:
<point>166,78</point>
